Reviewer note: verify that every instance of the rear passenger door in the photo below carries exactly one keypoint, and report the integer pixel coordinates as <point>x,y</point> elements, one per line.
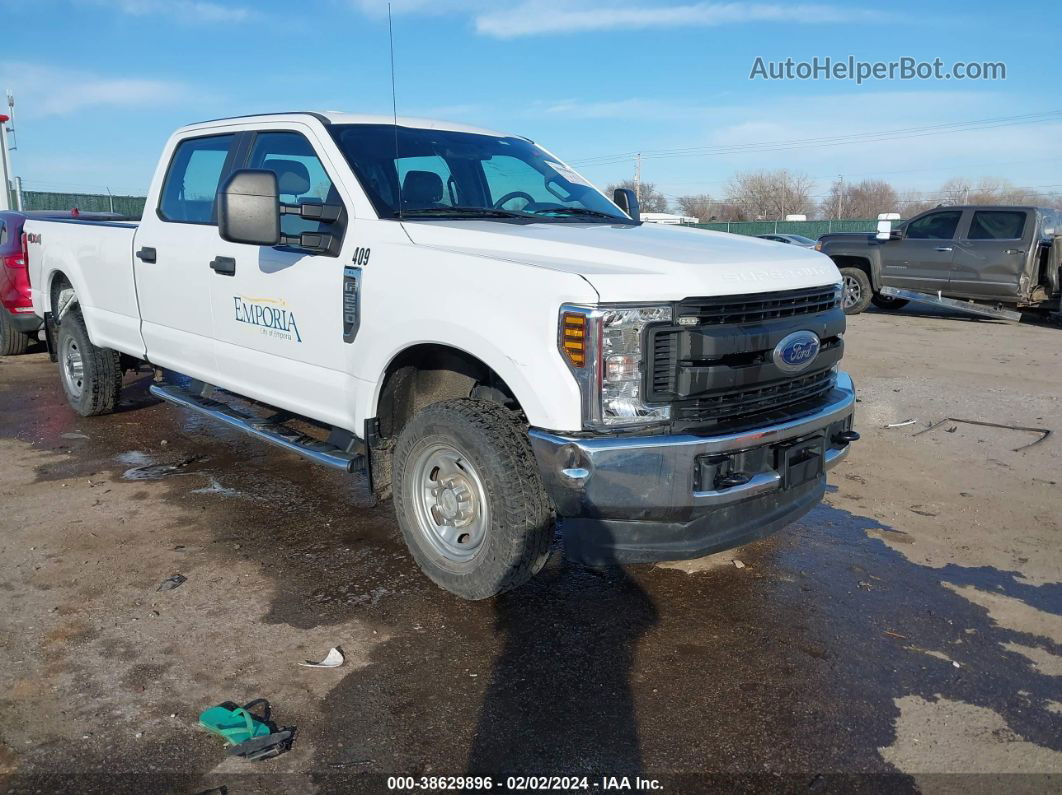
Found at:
<point>991,254</point>
<point>922,260</point>
<point>171,255</point>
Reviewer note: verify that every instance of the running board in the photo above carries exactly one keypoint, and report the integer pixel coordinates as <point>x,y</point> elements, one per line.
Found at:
<point>952,303</point>
<point>273,432</point>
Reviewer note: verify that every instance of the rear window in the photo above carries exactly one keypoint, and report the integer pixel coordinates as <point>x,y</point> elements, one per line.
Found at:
<point>191,184</point>
<point>997,225</point>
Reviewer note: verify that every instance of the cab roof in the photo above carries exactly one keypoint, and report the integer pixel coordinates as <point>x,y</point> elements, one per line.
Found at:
<point>339,117</point>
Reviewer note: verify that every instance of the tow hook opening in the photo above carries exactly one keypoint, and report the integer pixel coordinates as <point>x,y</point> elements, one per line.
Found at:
<point>845,437</point>
<point>575,467</point>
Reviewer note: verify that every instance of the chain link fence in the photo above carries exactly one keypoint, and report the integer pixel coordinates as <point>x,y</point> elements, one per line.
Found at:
<point>129,206</point>
<point>133,207</point>
<point>812,229</point>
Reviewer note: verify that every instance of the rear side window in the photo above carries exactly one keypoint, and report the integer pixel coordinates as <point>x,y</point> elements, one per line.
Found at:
<point>191,184</point>
<point>997,225</point>
<point>935,226</point>
<point>3,234</point>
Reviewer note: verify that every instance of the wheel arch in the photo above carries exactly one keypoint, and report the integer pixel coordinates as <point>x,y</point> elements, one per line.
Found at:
<point>430,372</point>
<point>864,263</point>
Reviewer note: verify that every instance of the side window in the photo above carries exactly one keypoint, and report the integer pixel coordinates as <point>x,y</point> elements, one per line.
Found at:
<point>935,226</point>
<point>3,234</point>
<point>997,225</point>
<point>301,177</point>
<point>426,182</point>
<point>191,184</point>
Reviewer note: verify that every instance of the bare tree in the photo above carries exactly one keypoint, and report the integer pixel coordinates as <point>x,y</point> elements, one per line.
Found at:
<point>650,201</point>
<point>700,206</point>
<point>912,202</point>
<point>864,199</point>
<point>771,195</point>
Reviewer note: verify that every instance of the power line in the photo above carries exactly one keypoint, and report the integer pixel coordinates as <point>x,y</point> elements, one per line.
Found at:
<point>837,140</point>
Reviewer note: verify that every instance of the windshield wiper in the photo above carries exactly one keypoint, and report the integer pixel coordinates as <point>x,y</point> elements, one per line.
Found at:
<point>583,211</point>
<point>462,212</point>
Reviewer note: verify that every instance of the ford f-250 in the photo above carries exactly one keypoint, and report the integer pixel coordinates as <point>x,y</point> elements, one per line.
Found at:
<point>984,255</point>
<point>465,317</point>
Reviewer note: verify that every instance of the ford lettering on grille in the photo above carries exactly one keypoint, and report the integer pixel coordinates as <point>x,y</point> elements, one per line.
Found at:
<point>796,352</point>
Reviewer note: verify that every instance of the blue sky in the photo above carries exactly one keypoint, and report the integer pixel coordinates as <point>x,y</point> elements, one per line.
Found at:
<point>100,84</point>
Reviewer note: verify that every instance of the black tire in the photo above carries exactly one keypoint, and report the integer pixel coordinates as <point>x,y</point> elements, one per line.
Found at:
<point>518,523</point>
<point>101,372</point>
<point>888,303</point>
<point>12,341</point>
<point>856,292</point>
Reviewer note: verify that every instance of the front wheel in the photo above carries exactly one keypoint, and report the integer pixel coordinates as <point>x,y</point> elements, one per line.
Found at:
<point>856,291</point>
<point>91,376</point>
<point>469,499</point>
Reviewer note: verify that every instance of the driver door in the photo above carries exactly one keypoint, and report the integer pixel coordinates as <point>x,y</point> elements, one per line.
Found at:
<point>278,322</point>
<point>922,261</point>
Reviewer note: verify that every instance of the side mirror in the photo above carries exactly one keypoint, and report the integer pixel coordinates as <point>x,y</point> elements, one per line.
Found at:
<point>627,201</point>
<point>885,226</point>
<point>249,208</point>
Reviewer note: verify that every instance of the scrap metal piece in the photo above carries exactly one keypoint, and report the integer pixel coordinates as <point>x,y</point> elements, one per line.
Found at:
<point>983,310</point>
<point>1045,433</point>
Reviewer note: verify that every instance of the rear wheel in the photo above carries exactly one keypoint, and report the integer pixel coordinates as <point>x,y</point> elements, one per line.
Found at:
<point>469,499</point>
<point>856,291</point>
<point>12,341</point>
<point>91,376</point>
<point>888,302</point>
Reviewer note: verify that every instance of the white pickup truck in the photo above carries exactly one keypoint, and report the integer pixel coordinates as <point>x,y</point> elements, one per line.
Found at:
<point>457,312</point>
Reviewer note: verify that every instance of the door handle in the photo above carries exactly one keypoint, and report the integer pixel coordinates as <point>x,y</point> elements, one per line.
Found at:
<point>943,248</point>
<point>1014,251</point>
<point>226,266</point>
<point>146,254</point>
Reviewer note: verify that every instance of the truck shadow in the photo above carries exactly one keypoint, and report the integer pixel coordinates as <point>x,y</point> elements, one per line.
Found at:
<point>559,699</point>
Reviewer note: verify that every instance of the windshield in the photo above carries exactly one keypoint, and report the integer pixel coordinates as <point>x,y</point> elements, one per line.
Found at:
<point>444,174</point>
<point>807,241</point>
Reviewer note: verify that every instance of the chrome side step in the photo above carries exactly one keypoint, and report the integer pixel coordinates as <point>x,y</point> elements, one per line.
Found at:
<point>983,310</point>
<point>273,432</point>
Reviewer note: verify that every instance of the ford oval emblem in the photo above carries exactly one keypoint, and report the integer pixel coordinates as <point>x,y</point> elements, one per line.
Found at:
<point>796,352</point>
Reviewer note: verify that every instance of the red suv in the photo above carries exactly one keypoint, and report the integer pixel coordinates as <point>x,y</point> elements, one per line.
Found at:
<point>18,324</point>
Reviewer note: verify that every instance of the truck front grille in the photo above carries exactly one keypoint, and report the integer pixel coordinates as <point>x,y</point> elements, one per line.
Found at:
<point>720,372</point>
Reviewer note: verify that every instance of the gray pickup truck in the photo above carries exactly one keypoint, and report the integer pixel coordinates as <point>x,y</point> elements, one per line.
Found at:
<point>991,255</point>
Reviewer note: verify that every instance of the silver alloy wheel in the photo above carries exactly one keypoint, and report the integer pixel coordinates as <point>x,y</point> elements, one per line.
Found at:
<point>853,292</point>
<point>72,367</point>
<point>450,501</point>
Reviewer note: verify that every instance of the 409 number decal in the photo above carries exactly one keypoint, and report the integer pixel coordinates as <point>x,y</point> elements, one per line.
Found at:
<point>361,256</point>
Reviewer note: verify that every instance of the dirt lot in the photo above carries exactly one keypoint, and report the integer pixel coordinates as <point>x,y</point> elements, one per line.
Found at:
<point>910,627</point>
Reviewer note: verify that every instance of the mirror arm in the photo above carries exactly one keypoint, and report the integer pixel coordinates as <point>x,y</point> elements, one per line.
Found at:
<point>325,213</point>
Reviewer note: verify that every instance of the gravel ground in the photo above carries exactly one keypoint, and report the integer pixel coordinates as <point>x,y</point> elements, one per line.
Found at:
<point>907,634</point>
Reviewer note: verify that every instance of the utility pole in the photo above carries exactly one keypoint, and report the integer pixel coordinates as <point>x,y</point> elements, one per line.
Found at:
<point>5,171</point>
<point>5,165</point>
<point>18,194</point>
<point>840,194</point>
<point>638,177</point>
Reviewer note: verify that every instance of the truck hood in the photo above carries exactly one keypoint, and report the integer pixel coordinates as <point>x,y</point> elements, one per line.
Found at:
<point>650,262</point>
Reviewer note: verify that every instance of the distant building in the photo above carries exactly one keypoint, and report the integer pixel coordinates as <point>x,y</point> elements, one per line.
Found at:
<point>668,218</point>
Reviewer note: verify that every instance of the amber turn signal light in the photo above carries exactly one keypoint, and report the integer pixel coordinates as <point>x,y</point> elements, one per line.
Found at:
<point>574,338</point>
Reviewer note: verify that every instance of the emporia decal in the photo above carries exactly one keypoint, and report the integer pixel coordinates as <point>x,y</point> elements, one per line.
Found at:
<point>271,316</point>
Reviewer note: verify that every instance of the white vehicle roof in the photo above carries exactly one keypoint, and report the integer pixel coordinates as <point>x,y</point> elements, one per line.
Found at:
<point>338,117</point>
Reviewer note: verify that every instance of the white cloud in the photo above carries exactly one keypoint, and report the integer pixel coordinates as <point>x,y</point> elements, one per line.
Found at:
<point>1024,153</point>
<point>181,10</point>
<point>50,91</point>
<point>537,17</point>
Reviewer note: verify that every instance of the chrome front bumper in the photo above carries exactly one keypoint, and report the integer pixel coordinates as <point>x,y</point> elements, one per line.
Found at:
<point>669,482</point>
